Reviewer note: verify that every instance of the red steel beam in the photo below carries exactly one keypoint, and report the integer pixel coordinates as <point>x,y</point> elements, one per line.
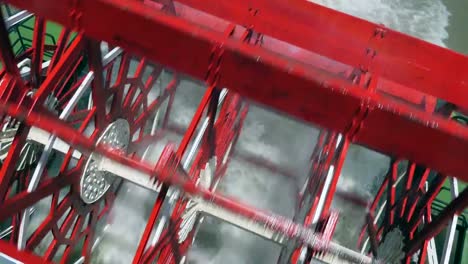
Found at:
<point>294,52</point>
<point>14,253</point>
<point>308,57</point>
<point>412,62</point>
<point>270,79</point>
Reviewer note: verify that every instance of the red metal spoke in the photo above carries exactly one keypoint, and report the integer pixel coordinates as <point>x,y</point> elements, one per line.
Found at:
<point>99,94</point>
<point>210,139</point>
<point>391,192</point>
<point>338,165</point>
<point>119,87</point>
<point>74,236</point>
<point>25,200</point>
<point>61,47</point>
<point>133,98</point>
<point>135,85</point>
<point>163,248</point>
<point>155,74</point>
<point>229,130</point>
<point>423,250</point>
<point>8,168</point>
<point>226,134</point>
<point>140,105</point>
<point>371,230</point>
<point>151,253</point>
<point>162,195</point>
<point>6,52</point>
<point>61,71</point>
<point>223,128</point>
<point>11,89</point>
<point>169,105</point>
<point>325,155</point>
<point>23,178</point>
<point>16,220</point>
<point>65,97</point>
<point>49,223</point>
<point>195,121</point>
<point>171,252</point>
<point>408,186</point>
<point>38,51</point>
<point>149,225</point>
<point>81,115</point>
<point>426,200</point>
<point>60,94</point>
<point>414,198</point>
<point>143,117</point>
<point>88,243</point>
<point>319,165</point>
<point>108,201</point>
<point>59,235</point>
<point>20,255</point>
<point>60,232</point>
<point>435,226</point>
<point>379,194</point>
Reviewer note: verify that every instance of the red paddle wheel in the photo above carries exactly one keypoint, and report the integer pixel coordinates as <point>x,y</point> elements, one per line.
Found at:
<point>81,116</point>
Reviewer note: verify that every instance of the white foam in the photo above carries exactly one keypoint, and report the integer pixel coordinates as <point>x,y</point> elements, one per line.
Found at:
<point>425,19</point>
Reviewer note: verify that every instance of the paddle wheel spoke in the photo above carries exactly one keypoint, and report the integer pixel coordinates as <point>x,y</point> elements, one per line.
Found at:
<point>12,180</point>
<point>408,220</point>
<point>316,197</point>
<point>207,169</point>
<point>75,211</point>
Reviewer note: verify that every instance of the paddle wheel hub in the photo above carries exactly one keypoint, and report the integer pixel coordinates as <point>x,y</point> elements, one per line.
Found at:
<point>94,183</point>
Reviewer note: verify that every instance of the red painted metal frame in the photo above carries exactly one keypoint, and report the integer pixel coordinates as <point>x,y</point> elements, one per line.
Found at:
<point>20,255</point>
<point>262,75</point>
<point>75,217</point>
<point>219,133</point>
<point>353,103</point>
<point>80,219</point>
<point>407,204</point>
<point>164,172</point>
<point>326,153</point>
<point>350,40</point>
<point>162,195</point>
<point>226,128</point>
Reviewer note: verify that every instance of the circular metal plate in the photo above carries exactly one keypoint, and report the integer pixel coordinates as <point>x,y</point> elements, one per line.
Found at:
<point>95,183</point>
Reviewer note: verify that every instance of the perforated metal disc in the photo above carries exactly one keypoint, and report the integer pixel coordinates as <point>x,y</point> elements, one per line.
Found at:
<point>95,183</point>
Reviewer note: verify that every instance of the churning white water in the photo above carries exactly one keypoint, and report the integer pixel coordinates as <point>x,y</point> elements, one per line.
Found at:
<point>279,140</point>
<point>425,19</point>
